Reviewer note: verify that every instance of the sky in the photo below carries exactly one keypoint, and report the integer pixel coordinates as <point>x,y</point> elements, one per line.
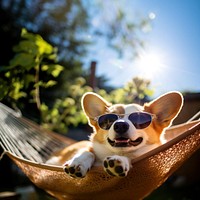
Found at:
<point>171,59</point>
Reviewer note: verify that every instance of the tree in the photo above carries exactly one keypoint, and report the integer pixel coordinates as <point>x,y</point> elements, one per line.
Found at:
<point>73,25</point>
<point>58,21</point>
<point>33,70</point>
<point>29,79</point>
<point>123,31</point>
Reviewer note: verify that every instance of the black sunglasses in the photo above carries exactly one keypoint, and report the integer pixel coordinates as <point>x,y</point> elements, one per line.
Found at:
<point>140,120</point>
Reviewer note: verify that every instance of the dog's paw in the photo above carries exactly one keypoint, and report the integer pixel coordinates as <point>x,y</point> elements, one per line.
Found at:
<point>78,166</point>
<point>116,165</point>
<point>75,170</point>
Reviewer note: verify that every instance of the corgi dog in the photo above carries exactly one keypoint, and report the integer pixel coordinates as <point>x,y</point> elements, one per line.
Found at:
<point>121,133</point>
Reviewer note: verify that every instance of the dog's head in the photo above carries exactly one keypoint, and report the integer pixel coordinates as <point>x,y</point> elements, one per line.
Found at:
<point>130,127</point>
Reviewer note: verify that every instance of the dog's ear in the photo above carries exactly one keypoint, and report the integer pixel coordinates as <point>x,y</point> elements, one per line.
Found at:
<point>94,105</point>
<point>165,107</point>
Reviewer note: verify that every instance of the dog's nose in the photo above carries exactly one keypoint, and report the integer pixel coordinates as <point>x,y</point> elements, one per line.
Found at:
<point>121,127</point>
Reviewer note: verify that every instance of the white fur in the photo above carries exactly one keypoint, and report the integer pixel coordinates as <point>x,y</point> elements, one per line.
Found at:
<point>130,108</point>
<point>81,162</point>
<point>122,161</point>
<point>126,162</point>
<point>55,160</point>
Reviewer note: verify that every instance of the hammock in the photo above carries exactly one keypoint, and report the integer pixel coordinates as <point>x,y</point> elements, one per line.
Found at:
<point>29,147</point>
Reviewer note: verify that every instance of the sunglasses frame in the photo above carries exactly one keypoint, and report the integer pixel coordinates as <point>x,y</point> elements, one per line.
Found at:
<point>120,116</point>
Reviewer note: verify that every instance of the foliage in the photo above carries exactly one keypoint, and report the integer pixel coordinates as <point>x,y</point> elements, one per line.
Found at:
<point>34,68</point>
<point>73,25</point>
<point>58,21</point>
<point>135,91</point>
<point>46,83</point>
<point>61,23</point>
<point>32,56</point>
<point>66,111</point>
<point>26,75</point>
<point>123,31</point>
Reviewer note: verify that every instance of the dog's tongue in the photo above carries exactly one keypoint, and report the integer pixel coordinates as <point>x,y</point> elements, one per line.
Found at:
<point>121,140</point>
<point>125,142</point>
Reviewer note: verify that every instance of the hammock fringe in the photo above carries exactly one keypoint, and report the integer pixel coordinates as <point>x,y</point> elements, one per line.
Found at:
<point>2,155</point>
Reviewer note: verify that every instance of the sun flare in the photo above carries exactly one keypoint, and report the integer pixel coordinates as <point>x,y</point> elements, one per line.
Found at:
<point>150,64</point>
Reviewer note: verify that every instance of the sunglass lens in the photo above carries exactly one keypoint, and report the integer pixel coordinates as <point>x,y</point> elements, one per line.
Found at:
<point>140,120</point>
<point>106,121</point>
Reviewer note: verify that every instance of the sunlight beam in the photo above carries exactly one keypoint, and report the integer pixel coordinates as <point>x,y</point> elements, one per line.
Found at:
<point>150,64</point>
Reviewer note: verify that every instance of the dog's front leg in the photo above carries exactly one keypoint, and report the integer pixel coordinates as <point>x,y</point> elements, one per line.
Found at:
<point>117,165</point>
<point>80,164</point>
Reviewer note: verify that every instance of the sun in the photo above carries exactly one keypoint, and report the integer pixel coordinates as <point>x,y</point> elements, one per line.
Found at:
<point>150,64</point>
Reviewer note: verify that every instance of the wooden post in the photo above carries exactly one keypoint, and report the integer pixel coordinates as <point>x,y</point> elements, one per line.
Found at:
<point>93,74</point>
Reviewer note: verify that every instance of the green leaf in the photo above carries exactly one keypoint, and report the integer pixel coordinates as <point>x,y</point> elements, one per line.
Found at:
<point>28,78</point>
<point>4,88</point>
<point>52,57</point>
<point>57,69</point>
<point>54,112</point>
<point>44,107</point>
<point>24,60</point>
<point>16,93</point>
<point>44,67</point>
<point>43,46</point>
<point>44,111</point>
<point>29,36</point>
<point>26,46</point>
<point>50,83</point>
<point>54,70</point>
<point>68,102</point>
<point>8,74</point>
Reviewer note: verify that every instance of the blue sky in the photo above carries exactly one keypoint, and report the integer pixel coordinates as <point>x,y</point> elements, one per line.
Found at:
<point>174,40</point>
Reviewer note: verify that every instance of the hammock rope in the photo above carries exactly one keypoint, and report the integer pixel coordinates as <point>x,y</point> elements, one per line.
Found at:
<point>23,140</point>
<point>2,155</point>
<point>197,115</point>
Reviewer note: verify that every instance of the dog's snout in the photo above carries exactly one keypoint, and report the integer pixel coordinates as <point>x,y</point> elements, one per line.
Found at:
<point>121,127</point>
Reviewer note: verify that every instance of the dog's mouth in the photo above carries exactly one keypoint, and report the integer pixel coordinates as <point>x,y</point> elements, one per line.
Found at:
<point>125,142</point>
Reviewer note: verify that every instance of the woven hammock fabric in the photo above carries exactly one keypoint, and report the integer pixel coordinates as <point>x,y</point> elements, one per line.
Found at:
<point>149,171</point>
